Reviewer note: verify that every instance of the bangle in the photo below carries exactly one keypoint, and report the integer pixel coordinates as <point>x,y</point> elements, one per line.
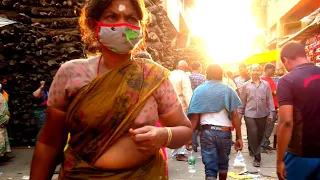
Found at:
<point>169,137</point>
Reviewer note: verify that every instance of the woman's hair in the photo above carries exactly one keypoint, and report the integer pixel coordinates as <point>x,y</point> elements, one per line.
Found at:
<point>214,72</point>
<point>94,9</point>
<point>142,54</point>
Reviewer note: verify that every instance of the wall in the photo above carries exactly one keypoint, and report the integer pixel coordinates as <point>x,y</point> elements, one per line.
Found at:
<point>177,8</point>
<point>277,9</point>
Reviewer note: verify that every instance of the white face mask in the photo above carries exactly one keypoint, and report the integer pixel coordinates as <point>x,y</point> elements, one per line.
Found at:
<point>119,38</point>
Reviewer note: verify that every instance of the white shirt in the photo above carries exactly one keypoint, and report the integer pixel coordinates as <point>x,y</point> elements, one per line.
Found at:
<point>182,85</point>
<point>217,119</point>
<point>229,82</point>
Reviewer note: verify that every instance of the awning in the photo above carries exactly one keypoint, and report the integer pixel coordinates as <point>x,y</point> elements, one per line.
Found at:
<point>305,33</point>
<point>265,57</point>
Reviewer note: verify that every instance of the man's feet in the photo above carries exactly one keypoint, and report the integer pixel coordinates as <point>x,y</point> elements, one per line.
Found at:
<point>211,178</point>
<point>269,148</point>
<point>263,150</point>
<point>250,153</point>
<point>195,148</point>
<point>256,163</point>
<point>6,158</point>
<point>181,157</point>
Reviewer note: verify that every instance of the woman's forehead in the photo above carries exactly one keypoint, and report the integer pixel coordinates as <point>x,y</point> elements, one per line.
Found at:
<point>118,6</point>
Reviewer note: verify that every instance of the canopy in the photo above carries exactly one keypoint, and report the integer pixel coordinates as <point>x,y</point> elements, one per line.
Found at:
<point>265,57</point>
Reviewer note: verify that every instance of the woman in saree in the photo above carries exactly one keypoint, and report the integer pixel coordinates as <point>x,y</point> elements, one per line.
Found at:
<point>110,105</point>
<point>4,119</point>
<point>41,95</point>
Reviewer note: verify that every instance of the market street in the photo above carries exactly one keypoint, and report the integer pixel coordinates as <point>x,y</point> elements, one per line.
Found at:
<point>19,167</point>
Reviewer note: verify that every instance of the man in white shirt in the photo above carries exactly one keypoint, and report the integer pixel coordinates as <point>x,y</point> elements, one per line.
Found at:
<point>182,85</point>
<point>215,104</point>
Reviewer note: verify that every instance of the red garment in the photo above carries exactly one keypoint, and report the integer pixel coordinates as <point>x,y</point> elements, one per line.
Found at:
<point>273,87</point>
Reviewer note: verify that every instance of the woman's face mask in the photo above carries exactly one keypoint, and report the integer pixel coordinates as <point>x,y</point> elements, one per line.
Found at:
<point>120,38</point>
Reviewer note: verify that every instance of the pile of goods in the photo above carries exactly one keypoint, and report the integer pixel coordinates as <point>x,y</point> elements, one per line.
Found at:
<point>45,36</point>
<point>313,49</point>
<point>32,50</point>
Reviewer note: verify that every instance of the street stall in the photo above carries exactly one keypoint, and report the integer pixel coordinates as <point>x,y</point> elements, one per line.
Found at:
<point>310,36</point>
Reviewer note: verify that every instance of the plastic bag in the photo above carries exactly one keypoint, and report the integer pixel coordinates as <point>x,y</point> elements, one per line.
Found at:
<point>239,161</point>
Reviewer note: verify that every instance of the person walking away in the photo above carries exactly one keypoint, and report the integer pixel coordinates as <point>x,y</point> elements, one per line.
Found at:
<point>41,94</point>
<point>227,79</point>
<point>214,105</point>
<point>257,108</point>
<point>3,82</point>
<point>269,71</point>
<point>244,77</point>
<point>196,79</point>
<point>298,151</point>
<point>4,120</point>
<point>110,104</point>
<point>182,85</point>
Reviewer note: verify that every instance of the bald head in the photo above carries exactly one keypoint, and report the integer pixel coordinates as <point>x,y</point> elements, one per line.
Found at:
<point>183,65</point>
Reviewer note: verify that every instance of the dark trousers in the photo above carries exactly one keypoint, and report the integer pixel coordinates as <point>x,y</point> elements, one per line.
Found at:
<point>269,129</point>
<point>255,129</point>
<point>215,151</point>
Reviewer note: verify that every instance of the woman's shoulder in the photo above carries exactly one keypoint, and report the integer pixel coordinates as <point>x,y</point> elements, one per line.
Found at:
<point>81,62</point>
<point>80,65</point>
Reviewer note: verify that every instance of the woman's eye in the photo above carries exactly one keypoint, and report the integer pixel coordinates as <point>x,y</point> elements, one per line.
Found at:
<point>111,17</point>
<point>133,20</point>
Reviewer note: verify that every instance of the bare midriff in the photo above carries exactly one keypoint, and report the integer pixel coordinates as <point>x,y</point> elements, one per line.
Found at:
<point>122,155</point>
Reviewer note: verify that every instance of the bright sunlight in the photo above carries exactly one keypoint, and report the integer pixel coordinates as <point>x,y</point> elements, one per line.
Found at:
<point>227,27</point>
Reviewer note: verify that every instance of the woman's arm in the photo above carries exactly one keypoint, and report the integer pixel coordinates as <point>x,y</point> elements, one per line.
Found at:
<point>50,144</point>
<point>171,115</point>
<point>180,127</point>
<point>53,135</point>
<point>38,93</point>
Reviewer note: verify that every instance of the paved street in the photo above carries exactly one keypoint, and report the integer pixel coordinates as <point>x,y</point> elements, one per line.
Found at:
<point>20,165</point>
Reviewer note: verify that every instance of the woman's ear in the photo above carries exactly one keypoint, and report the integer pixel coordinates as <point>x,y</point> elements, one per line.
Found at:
<point>92,24</point>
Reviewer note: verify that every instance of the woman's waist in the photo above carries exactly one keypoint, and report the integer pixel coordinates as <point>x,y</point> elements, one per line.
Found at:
<point>123,154</point>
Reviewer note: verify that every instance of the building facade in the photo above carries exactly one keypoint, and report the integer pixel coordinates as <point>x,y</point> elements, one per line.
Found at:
<point>284,19</point>
<point>179,17</point>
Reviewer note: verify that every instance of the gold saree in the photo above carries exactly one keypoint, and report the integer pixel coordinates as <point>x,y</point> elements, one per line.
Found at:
<point>102,112</point>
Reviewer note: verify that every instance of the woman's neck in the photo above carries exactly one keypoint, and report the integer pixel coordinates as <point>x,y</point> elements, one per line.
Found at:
<point>112,60</point>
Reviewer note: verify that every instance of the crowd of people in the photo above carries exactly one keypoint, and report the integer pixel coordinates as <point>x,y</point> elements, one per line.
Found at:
<point>113,115</point>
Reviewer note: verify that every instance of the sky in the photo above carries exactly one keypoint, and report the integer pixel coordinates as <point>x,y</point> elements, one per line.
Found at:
<point>227,27</point>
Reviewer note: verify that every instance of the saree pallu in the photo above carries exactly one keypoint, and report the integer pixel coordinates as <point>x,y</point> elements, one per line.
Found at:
<point>102,112</point>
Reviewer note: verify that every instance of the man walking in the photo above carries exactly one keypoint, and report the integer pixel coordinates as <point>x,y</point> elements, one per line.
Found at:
<point>182,85</point>
<point>215,104</point>
<point>269,71</point>
<point>298,153</point>
<point>196,79</point>
<point>257,108</point>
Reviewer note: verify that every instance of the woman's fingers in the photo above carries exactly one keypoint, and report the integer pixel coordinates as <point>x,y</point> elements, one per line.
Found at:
<point>141,130</point>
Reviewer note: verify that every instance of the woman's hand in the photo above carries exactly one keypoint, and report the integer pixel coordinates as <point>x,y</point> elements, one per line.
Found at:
<point>149,139</point>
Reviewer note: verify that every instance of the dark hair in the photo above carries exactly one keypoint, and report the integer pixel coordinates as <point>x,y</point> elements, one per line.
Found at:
<point>142,54</point>
<point>94,9</point>
<point>214,72</point>
<point>293,50</point>
<point>195,65</point>
<point>269,66</point>
<point>229,73</point>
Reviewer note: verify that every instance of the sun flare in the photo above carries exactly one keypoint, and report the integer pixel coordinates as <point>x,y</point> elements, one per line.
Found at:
<point>227,28</point>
